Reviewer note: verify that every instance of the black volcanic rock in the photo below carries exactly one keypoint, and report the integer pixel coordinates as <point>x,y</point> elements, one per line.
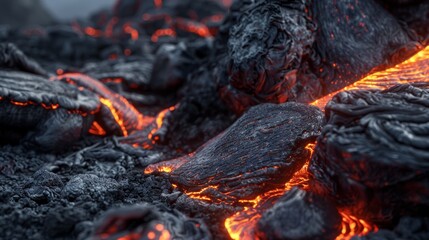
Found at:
<point>92,185</point>
<point>275,51</point>
<point>43,114</point>
<point>259,152</point>
<point>300,215</point>
<point>147,221</point>
<point>372,156</point>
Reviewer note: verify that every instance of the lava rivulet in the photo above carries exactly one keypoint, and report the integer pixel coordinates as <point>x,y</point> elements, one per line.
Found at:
<point>126,116</point>
<point>415,70</point>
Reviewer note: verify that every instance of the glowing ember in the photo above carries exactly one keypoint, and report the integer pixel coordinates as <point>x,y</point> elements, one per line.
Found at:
<point>193,27</point>
<point>413,71</point>
<point>125,114</point>
<point>116,115</point>
<point>352,226</point>
<point>93,32</point>
<point>159,120</point>
<point>134,33</point>
<point>241,225</point>
<point>166,166</point>
<point>162,32</point>
<point>97,129</point>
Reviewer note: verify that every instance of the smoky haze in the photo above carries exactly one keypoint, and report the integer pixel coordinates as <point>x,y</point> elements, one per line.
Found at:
<point>71,9</point>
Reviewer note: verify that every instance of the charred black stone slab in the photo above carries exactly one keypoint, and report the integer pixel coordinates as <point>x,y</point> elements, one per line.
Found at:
<point>48,115</point>
<point>147,221</point>
<point>302,50</point>
<point>372,156</point>
<point>259,152</point>
<point>300,215</point>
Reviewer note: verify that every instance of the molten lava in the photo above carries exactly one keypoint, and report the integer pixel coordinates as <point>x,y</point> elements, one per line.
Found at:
<point>127,117</point>
<point>415,70</point>
<point>352,226</point>
<point>241,225</point>
<point>159,120</point>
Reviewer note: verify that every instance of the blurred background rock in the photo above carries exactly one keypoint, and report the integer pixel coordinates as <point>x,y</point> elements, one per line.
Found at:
<point>41,12</point>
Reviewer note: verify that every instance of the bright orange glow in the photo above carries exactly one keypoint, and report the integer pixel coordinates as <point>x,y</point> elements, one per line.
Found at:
<point>165,235</point>
<point>93,32</point>
<point>132,31</point>
<point>158,3</point>
<point>60,71</point>
<point>159,120</point>
<point>125,114</point>
<point>116,115</point>
<point>164,169</point>
<point>200,194</point>
<point>97,129</point>
<point>22,104</point>
<point>240,226</point>
<point>166,166</point>
<point>194,27</point>
<point>352,226</point>
<point>151,235</point>
<point>159,227</point>
<point>50,107</point>
<point>162,32</point>
<point>44,105</point>
<point>415,70</point>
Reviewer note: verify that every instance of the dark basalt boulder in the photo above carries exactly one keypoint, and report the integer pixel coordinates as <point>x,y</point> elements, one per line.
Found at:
<point>300,215</point>
<point>372,156</point>
<point>147,221</point>
<point>277,51</point>
<point>45,114</point>
<point>259,152</point>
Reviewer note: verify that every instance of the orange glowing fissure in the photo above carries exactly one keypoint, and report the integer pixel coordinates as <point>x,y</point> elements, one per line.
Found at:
<point>162,32</point>
<point>241,225</point>
<point>24,104</point>
<point>159,120</point>
<point>97,129</point>
<point>352,226</point>
<point>116,115</point>
<point>415,70</point>
<point>132,31</point>
<point>113,101</point>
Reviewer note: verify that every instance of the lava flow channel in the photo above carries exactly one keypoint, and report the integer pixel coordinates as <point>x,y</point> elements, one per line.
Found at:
<point>241,225</point>
<point>126,116</point>
<point>414,71</point>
